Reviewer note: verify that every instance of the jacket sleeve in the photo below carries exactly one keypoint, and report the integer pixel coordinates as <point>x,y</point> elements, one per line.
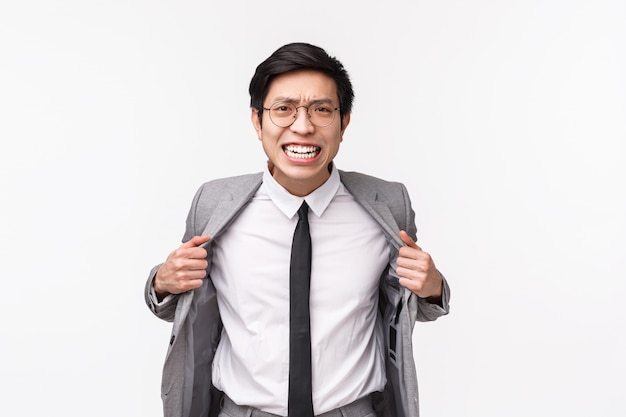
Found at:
<point>166,308</point>
<point>163,309</point>
<point>426,311</point>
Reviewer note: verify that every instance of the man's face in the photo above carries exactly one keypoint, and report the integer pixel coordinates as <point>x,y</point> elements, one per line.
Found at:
<point>299,154</point>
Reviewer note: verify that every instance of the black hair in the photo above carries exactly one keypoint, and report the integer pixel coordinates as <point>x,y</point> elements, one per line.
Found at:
<point>300,56</point>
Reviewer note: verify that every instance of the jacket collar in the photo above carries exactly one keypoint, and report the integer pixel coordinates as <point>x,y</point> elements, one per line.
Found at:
<point>232,202</point>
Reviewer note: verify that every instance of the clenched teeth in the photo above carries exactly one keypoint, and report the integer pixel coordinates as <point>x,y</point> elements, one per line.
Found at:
<point>301,152</point>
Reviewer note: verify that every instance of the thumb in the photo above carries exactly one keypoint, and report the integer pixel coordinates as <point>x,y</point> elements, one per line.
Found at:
<point>195,241</point>
<point>404,236</point>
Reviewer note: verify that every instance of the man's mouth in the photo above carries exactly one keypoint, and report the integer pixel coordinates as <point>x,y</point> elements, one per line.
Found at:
<point>301,152</point>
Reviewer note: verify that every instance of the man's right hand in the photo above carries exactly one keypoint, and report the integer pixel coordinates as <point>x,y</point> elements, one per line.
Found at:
<point>183,270</point>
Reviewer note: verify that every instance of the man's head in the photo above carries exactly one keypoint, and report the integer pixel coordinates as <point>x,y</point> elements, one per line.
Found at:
<point>300,56</point>
<point>301,100</point>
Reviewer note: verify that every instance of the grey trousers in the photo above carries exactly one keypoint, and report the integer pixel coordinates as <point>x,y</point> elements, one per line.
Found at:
<point>359,408</point>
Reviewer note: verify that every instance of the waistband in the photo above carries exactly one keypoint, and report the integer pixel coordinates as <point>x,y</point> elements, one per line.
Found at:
<point>359,408</point>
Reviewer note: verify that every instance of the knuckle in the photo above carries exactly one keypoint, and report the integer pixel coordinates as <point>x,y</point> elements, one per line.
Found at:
<point>415,287</point>
<point>178,263</point>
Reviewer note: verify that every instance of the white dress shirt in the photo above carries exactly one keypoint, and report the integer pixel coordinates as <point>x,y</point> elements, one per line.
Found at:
<point>250,270</point>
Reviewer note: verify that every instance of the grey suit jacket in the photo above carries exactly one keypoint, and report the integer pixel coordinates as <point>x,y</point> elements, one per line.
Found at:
<point>186,387</point>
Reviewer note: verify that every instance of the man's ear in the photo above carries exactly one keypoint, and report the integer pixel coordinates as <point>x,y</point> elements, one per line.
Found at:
<point>256,122</point>
<point>345,121</point>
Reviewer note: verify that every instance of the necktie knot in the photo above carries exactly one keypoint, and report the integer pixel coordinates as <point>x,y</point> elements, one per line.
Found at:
<point>303,211</point>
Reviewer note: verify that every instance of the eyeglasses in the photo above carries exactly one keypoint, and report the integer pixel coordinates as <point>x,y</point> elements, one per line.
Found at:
<point>283,114</point>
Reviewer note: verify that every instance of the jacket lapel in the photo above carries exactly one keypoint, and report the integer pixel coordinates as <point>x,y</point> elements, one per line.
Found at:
<point>231,202</point>
<point>367,197</point>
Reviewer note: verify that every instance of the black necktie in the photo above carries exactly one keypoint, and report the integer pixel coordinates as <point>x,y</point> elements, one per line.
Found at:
<point>300,385</point>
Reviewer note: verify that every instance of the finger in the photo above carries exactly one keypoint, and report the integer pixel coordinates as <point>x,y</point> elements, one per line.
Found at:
<point>413,285</point>
<point>411,264</point>
<point>404,236</point>
<point>197,264</point>
<point>195,241</point>
<point>193,274</point>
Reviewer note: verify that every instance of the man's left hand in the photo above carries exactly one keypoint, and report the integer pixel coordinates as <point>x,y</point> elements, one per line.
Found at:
<point>417,270</point>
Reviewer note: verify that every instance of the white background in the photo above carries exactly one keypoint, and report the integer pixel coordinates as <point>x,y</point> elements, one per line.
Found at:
<point>505,119</point>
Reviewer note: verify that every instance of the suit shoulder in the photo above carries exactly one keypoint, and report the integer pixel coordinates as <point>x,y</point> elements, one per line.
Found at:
<point>218,189</point>
<point>239,181</point>
<point>369,181</point>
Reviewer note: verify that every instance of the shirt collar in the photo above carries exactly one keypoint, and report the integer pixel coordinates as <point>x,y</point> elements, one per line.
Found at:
<point>289,204</point>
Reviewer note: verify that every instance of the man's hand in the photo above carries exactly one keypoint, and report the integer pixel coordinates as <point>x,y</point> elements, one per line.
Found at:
<point>417,270</point>
<point>183,270</point>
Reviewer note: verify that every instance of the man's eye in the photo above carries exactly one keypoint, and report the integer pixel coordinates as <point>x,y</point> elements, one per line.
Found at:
<point>282,108</point>
<point>323,109</point>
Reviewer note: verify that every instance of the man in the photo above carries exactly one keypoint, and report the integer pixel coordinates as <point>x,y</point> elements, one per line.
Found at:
<point>227,288</point>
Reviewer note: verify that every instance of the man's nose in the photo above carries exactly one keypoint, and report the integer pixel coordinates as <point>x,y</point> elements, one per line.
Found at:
<point>303,120</point>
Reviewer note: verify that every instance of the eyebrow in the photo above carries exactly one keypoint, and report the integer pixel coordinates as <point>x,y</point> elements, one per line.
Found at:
<point>293,100</point>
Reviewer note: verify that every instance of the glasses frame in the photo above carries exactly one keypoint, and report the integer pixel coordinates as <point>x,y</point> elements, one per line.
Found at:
<point>295,116</point>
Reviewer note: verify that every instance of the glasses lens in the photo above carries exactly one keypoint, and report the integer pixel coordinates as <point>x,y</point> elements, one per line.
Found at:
<point>282,114</point>
<point>322,114</point>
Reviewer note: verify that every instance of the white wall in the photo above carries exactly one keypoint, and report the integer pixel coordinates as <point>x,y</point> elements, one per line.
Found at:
<point>505,119</point>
